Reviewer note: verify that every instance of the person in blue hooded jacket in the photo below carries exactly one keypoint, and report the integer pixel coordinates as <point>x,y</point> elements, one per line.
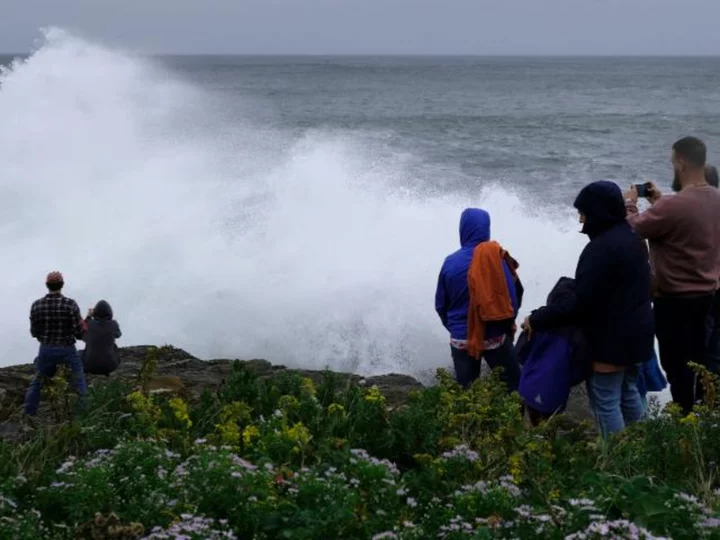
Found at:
<point>452,301</point>
<point>613,306</point>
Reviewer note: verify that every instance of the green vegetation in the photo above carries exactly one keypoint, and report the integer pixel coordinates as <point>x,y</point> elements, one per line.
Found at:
<point>288,458</point>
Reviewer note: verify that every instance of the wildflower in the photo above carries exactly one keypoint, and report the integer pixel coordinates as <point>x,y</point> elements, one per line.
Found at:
<point>614,529</point>
<point>401,492</point>
<point>382,536</point>
<point>690,499</point>
<point>288,404</point>
<point>298,434</point>
<point>308,386</point>
<point>462,452</point>
<point>200,442</point>
<point>710,523</point>
<point>6,501</point>
<point>336,408</point>
<point>373,395</point>
<point>412,503</point>
<point>585,504</point>
<point>249,434</point>
<point>180,409</point>
<point>242,463</point>
<point>516,466</point>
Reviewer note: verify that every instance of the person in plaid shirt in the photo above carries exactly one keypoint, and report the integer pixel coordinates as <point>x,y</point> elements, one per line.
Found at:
<point>56,322</point>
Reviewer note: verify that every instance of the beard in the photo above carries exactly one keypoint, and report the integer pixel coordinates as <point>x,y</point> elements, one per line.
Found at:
<point>676,184</point>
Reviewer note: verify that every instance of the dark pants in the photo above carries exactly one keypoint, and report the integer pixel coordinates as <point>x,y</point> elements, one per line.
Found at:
<point>680,325</point>
<point>713,336</point>
<point>46,364</point>
<point>467,368</point>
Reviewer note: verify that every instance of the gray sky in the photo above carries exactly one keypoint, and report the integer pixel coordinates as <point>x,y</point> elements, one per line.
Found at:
<point>656,27</point>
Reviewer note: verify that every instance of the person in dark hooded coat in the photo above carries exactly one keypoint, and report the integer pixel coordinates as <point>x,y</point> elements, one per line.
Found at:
<point>613,306</point>
<point>100,356</point>
<point>452,302</point>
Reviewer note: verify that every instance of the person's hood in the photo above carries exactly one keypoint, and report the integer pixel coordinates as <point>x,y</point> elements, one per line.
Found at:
<point>603,206</point>
<point>103,310</point>
<point>563,293</point>
<point>474,227</point>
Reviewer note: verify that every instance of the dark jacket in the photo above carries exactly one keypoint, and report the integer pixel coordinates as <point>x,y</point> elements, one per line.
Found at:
<point>452,297</point>
<point>553,360</point>
<point>101,356</point>
<point>612,280</point>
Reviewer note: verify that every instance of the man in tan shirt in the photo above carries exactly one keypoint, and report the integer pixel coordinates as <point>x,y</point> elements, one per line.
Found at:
<point>683,231</point>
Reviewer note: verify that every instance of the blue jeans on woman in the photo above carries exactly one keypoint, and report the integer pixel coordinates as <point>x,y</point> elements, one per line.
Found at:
<point>48,359</point>
<point>615,399</point>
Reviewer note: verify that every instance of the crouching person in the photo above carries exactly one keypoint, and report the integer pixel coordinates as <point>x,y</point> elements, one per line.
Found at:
<point>477,298</point>
<point>612,306</point>
<point>553,361</point>
<point>56,322</point>
<point>100,356</point>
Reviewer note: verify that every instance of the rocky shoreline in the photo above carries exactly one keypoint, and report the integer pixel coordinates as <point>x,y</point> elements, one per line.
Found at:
<point>180,372</point>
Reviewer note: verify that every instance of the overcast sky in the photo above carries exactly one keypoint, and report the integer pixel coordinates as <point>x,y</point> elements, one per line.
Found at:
<point>656,27</point>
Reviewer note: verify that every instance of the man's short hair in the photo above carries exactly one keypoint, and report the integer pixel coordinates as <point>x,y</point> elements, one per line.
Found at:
<point>711,175</point>
<point>54,281</point>
<point>691,150</point>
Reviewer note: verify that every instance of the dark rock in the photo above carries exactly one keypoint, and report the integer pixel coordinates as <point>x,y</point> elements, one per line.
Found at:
<point>179,372</point>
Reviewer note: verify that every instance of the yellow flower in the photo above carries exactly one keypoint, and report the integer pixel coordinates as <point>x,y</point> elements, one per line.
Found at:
<point>515,463</point>
<point>180,409</point>
<point>288,403</point>
<point>229,432</point>
<point>298,434</point>
<point>249,434</point>
<point>336,408</point>
<point>237,411</point>
<point>690,420</point>
<point>308,386</point>
<point>554,495</point>
<point>373,395</point>
<point>144,406</point>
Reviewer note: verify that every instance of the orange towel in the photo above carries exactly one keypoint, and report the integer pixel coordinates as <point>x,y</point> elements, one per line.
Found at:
<point>489,296</point>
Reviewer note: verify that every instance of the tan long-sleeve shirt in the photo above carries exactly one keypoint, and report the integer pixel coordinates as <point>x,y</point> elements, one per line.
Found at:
<point>684,235</point>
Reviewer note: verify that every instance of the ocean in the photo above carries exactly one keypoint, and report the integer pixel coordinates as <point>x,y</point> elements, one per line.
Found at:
<point>299,208</point>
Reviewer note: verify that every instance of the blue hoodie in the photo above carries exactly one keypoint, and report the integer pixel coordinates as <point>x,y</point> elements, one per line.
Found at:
<point>452,298</point>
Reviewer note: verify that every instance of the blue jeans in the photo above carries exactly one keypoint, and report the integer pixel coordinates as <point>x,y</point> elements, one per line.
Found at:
<point>467,368</point>
<point>615,399</point>
<point>46,364</point>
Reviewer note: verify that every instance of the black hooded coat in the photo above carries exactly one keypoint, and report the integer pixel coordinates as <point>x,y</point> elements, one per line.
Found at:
<point>101,355</point>
<point>612,279</point>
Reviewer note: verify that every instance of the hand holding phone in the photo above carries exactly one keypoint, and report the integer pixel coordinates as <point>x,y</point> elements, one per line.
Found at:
<point>644,190</point>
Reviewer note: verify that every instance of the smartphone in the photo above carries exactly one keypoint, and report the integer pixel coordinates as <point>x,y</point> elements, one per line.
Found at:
<point>643,190</point>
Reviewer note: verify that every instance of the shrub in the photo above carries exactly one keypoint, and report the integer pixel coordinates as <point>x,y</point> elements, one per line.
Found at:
<point>293,458</point>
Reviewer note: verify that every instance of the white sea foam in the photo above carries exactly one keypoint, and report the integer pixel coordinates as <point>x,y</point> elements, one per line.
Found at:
<point>224,238</point>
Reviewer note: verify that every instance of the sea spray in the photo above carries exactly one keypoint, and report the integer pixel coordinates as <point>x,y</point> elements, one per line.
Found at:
<point>227,238</point>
